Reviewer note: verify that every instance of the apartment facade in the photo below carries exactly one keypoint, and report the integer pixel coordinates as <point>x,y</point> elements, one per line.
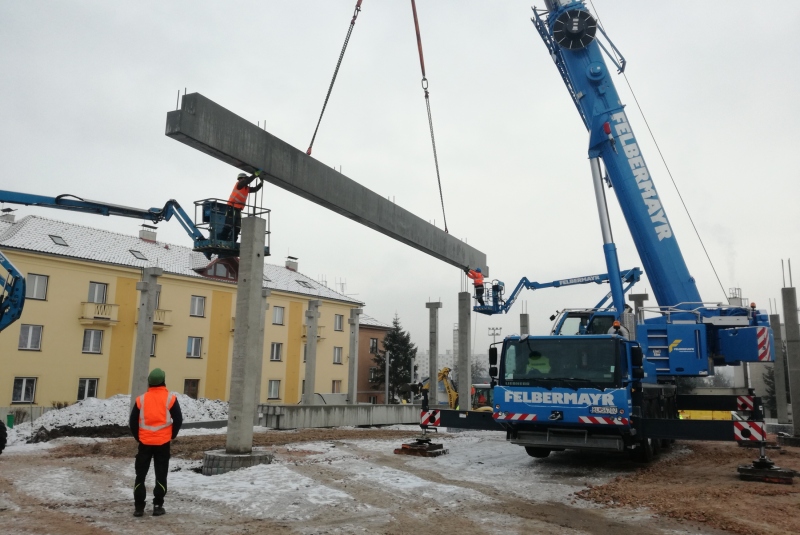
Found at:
<point>370,341</point>
<point>76,336</point>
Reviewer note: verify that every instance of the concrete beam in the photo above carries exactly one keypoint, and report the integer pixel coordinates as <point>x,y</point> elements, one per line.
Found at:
<point>210,128</point>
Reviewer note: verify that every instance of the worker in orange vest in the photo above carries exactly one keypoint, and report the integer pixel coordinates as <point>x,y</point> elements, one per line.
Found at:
<point>477,277</point>
<point>155,420</point>
<point>237,202</point>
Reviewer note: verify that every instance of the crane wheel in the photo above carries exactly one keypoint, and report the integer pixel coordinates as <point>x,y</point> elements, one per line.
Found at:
<point>645,451</point>
<point>539,453</point>
<point>3,436</point>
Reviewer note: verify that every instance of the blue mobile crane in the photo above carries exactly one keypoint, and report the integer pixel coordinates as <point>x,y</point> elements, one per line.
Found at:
<point>614,388</point>
<point>211,215</point>
<point>617,391</point>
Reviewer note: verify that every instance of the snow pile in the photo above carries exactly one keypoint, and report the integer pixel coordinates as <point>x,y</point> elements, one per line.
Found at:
<point>96,412</point>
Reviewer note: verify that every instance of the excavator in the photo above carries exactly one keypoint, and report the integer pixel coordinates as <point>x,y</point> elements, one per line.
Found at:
<point>480,394</point>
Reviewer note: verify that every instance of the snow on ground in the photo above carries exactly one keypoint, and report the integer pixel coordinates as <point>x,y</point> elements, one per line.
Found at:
<point>95,412</point>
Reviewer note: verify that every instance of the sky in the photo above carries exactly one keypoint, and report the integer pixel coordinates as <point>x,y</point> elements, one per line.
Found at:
<point>86,86</point>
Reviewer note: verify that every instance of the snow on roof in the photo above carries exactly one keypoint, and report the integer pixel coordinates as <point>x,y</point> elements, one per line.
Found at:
<point>43,235</point>
<point>369,321</point>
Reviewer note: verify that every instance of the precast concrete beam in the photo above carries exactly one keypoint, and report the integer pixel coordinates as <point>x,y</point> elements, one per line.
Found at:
<point>208,127</point>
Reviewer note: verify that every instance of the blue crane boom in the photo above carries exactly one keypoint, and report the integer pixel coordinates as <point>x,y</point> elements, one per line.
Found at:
<point>497,305</point>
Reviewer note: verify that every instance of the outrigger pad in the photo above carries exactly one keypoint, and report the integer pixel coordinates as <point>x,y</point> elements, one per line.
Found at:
<point>422,447</point>
<point>748,472</point>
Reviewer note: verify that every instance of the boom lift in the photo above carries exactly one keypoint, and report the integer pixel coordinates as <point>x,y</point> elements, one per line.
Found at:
<point>211,215</point>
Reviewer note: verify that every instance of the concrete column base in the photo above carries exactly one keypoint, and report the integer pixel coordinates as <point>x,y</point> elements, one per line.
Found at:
<point>219,462</point>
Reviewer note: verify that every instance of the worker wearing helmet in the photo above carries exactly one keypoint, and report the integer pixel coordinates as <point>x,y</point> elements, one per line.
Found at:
<point>155,420</point>
<point>237,202</point>
<point>477,277</point>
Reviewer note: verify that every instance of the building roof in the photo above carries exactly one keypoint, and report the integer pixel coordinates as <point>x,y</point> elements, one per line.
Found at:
<point>41,235</point>
<point>369,321</point>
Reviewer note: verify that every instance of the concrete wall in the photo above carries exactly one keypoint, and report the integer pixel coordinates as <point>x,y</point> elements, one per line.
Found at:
<point>300,416</point>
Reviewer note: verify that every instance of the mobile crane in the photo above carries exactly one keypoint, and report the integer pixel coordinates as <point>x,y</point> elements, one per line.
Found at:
<point>210,215</point>
<point>615,389</point>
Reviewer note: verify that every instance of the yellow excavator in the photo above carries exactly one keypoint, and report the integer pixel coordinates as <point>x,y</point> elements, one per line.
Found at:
<point>481,393</point>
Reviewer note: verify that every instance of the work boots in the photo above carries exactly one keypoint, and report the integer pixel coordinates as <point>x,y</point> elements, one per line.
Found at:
<point>139,510</point>
<point>158,510</point>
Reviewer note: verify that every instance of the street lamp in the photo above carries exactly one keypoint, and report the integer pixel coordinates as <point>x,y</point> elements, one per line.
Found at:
<point>494,332</point>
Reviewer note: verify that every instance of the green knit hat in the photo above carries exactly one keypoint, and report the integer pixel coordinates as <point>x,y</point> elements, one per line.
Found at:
<point>156,377</point>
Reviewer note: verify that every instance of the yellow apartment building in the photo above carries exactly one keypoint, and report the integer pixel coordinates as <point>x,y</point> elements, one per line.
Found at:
<point>76,336</point>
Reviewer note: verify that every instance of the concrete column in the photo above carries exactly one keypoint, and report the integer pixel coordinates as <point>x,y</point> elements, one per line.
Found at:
<point>524,325</point>
<point>780,369</point>
<point>248,339</point>
<point>789,297</point>
<point>312,320</point>
<point>464,334</point>
<point>264,307</point>
<point>433,354</point>
<point>352,375</point>
<point>148,289</point>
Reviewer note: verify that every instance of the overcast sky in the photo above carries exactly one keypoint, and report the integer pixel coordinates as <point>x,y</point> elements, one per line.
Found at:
<point>86,85</point>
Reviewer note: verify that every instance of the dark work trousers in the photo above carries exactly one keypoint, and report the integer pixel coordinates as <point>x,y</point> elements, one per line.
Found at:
<point>233,224</point>
<point>160,457</point>
<point>479,294</point>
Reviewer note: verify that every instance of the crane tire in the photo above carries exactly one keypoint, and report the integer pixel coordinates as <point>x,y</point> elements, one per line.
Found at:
<point>645,451</point>
<point>3,436</point>
<point>539,453</point>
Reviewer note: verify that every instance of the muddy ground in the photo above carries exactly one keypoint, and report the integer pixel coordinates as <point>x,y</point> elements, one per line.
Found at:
<point>483,486</point>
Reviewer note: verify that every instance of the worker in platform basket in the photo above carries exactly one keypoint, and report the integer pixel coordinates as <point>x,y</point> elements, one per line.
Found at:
<point>155,420</point>
<point>477,277</point>
<point>237,202</point>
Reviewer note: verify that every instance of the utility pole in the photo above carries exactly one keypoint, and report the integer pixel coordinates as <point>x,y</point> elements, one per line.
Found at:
<point>494,332</point>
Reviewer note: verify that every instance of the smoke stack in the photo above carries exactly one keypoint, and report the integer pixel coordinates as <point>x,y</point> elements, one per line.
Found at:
<point>148,233</point>
<point>6,216</point>
<point>291,263</point>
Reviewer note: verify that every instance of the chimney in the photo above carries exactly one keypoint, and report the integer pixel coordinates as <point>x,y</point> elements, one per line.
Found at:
<point>291,263</point>
<point>7,216</point>
<point>148,233</point>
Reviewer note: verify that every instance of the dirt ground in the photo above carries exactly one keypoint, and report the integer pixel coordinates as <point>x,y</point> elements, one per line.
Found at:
<point>496,489</point>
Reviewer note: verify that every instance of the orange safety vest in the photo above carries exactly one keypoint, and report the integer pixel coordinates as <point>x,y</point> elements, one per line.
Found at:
<point>477,277</point>
<point>238,197</point>
<point>155,421</point>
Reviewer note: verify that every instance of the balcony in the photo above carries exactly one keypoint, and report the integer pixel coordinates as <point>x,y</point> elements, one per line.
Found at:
<point>320,332</point>
<point>104,314</point>
<point>162,319</point>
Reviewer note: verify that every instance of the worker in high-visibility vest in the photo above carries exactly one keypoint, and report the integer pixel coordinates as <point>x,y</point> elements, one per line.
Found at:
<point>477,277</point>
<point>237,202</point>
<point>155,420</point>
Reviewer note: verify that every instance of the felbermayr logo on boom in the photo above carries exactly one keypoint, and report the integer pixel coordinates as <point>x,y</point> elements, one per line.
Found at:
<point>649,195</point>
<point>578,280</point>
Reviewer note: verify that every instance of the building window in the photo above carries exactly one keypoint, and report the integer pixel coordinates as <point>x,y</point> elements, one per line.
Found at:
<point>36,287</point>
<point>338,322</point>
<point>303,387</point>
<point>275,351</point>
<point>373,346</point>
<point>304,284</point>
<point>305,352</point>
<point>87,388</point>
<point>373,400</point>
<point>153,345</point>
<point>158,299</point>
<point>30,337</point>
<point>58,240</point>
<point>97,292</point>
<point>92,341</point>
<point>24,390</point>
<point>337,355</point>
<point>191,387</point>
<point>274,389</point>
<point>138,255</point>
<point>336,386</point>
<point>277,316</point>
<point>198,306</point>
<point>194,347</point>
<point>372,373</point>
